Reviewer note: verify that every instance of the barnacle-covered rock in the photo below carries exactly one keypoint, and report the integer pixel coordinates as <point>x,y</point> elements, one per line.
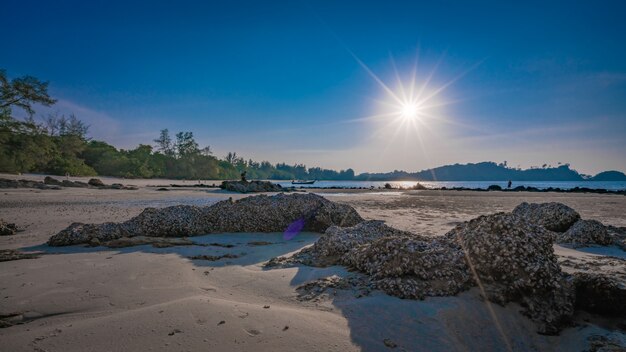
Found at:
<point>602,294</point>
<point>412,266</point>
<point>586,232</point>
<point>515,260</point>
<point>553,216</point>
<point>337,241</point>
<point>253,214</point>
<point>7,229</point>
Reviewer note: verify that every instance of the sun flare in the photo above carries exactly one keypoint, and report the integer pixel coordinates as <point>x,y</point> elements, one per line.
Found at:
<point>410,110</point>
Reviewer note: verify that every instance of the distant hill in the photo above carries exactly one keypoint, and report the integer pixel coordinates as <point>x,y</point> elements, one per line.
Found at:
<point>490,171</point>
<point>609,176</point>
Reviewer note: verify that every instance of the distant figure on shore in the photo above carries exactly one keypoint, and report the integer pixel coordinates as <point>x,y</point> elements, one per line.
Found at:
<point>243,177</point>
<point>67,175</point>
<point>509,185</point>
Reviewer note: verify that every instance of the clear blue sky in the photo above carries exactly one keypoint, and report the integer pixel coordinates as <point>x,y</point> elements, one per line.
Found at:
<point>536,82</point>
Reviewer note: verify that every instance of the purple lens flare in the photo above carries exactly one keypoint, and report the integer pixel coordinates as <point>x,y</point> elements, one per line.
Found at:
<point>293,229</point>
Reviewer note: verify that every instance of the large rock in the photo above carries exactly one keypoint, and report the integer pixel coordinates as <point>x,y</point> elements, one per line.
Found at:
<point>585,233</point>
<point>514,260</point>
<point>553,216</point>
<point>251,186</point>
<point>253,214</point>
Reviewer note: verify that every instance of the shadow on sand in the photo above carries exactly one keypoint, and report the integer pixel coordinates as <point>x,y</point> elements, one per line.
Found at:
<point>379,322</point>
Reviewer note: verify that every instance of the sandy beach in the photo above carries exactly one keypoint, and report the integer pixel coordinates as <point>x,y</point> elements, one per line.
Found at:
<point>145,298</point>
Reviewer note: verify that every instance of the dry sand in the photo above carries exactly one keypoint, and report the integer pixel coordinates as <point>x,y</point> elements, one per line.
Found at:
<point>142,299</point>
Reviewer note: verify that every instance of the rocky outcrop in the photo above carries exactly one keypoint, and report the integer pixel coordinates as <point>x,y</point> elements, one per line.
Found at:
<point>251,186</point>
<point>602,294</point>
<point>585,233</point>
<point>553,216</point>
<point>7,229</point>
<point>512,260</point>
<point>253,214</point>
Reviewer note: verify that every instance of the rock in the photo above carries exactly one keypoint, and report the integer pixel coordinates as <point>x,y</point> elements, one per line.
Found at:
<point>515,261</point>
<point>337,241</point>
<point>390,343</point>
<point>252,214</point>
<point>585,233</point>
<point>96,182</point>
<point>251,186</point>
<point>412,267</point>
<point>7,229</point>
<point>7,183</point>
<point>494,188</point>
<point>553,216</point>
<point>618,234</point>
<point>598,293</point>
<point>11,254</point>
<point>51,181</point>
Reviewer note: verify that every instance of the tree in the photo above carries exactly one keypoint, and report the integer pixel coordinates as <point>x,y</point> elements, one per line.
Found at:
<point>164,142</point>
<point>22,92</point>
<point>186,144</point>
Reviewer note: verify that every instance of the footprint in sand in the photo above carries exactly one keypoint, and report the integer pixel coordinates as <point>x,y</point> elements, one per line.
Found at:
<point>252,332</point>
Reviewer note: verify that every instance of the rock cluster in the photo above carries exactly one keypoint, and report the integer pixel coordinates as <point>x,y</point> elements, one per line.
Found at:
<point>251,186</point>
<point>7,229</point>
<point>52,183</point>
<point>252,214</point>
<point>553,216</point>
<point>508,255</point>
<point>8,183</point>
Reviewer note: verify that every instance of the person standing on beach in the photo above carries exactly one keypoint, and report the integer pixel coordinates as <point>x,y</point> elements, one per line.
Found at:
<point>509,185</point>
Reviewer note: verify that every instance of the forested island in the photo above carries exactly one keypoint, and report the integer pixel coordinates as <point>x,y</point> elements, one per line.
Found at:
<point>59,145</point>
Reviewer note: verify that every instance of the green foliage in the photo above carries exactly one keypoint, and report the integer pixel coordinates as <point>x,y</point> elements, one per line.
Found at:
<point>59,145</point>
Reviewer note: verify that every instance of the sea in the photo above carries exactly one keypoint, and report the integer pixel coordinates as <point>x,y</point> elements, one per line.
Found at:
<point>608,185</point>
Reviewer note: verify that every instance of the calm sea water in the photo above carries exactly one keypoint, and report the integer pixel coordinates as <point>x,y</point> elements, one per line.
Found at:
<point>609,185</point>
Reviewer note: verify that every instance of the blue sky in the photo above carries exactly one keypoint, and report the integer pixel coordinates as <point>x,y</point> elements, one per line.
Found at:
<point>532,83</point>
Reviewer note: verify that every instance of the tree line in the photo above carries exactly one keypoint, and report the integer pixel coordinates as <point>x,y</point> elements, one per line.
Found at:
<point>58,144</point>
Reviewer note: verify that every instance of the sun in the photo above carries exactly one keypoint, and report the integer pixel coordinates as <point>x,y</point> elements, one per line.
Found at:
<point>409,110</point>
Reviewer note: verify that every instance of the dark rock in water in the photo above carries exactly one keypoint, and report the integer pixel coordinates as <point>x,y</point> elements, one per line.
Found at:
<point>251,186</point>
<point>251,214</point>
<point>494,188</point>
<point>96,182</point>
<point>162,189</point>
<point>12,254</point>
<point>584,233</point>
<point>7,229</point>
<point>553,216</point>
<point>516,261</point>
<point>597,293</point>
